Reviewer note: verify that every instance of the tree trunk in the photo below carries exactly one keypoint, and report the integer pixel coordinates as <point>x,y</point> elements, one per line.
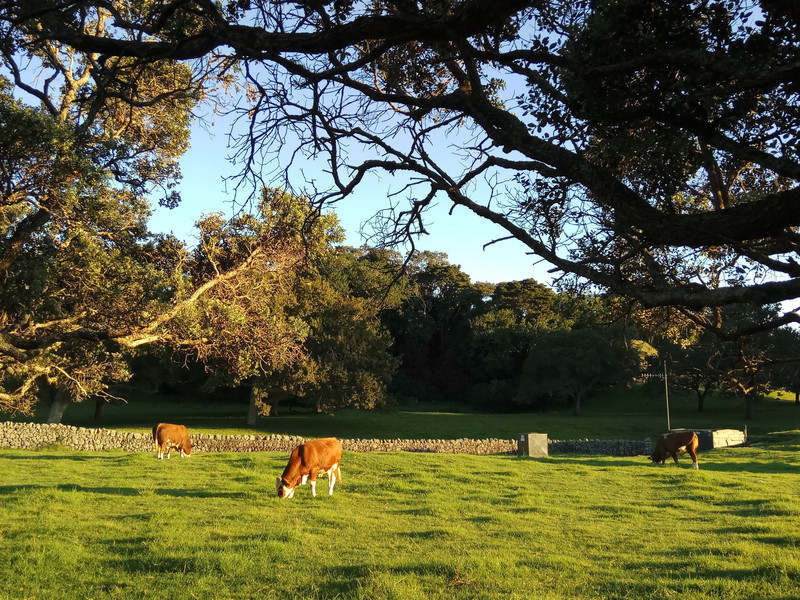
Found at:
<point>59,405</point>
<point>701,398</point>
<point>748,406</point>
<point>99,406</point>
<point>252,411</point>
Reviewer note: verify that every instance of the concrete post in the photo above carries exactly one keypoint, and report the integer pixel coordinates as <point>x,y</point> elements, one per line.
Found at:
<point>533,445</point>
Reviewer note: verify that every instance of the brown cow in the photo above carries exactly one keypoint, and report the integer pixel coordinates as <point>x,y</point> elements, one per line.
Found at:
<point>309,460</point>
<point>669,444</point>
<point>167,436</point>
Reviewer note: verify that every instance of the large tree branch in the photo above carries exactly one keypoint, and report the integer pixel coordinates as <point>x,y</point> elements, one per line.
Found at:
<point>767,217</point>
<point>332,79</point>
<point>469,19</point>
<point>22,348</point>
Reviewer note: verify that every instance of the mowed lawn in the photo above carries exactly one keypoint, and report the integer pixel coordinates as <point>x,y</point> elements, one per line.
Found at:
<point>402,525</point>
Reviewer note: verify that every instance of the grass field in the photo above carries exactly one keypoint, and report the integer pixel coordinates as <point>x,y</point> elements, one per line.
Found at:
<point>411,525</point>
<point>627,415</point>
<point>403,526</point>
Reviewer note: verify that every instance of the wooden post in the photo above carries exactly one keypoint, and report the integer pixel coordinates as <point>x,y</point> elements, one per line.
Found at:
<point>666,394</point>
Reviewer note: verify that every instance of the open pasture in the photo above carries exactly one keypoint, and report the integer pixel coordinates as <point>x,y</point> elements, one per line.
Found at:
<point>616,414</point>
<point>401,526</point>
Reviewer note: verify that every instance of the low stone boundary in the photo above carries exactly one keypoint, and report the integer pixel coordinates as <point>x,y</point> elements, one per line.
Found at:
<point>41,435</point>
<point>607,447</point>
<point>460,446</point>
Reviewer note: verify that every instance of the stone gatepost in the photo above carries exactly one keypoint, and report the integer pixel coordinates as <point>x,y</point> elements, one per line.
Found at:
<point>533,445</point>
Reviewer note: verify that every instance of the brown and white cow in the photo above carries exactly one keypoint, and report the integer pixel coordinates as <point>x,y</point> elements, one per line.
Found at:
<point>167,436</point>
<point>308,460</point>
<point>669,444</point>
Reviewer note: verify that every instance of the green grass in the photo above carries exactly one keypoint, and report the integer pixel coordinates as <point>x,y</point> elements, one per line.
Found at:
<point>615,415</point>
<point>411,525</point>
<point>402,526</point>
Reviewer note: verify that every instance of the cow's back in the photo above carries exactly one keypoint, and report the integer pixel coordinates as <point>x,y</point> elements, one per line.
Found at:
<point>177,435</point>
<point>319,455</point>
<point>675,440</point>
<point>171,429</point>
<point>164,431</point>
<point>670,444</point>
<point>322,453</point>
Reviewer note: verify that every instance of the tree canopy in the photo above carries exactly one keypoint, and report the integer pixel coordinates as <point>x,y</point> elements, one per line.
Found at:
<point>647,147</point>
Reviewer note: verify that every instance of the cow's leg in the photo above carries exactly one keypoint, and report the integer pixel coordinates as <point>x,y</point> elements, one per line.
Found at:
<point>314,488</point>
<point>693,454</point>
<point>332,478</point>
<point>675,458</point>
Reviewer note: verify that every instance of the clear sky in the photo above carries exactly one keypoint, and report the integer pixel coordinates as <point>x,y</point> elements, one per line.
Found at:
<point>460,235</point>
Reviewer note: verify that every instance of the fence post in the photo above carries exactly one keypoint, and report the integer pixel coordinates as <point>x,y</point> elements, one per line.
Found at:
<point>666,393</point>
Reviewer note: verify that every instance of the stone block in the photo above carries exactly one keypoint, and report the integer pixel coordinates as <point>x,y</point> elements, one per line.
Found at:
<point>533,445</point>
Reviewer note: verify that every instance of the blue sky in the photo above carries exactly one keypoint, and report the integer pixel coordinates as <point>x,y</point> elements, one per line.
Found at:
<point>460,235</point>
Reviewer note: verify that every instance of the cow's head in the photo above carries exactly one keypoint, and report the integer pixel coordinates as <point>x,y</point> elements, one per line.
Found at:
<point>186,449</point>
<point>283,489</point>
<point>659,453</point>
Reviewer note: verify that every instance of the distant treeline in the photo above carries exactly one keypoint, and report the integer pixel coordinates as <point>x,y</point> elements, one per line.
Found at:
<point>270,307</point>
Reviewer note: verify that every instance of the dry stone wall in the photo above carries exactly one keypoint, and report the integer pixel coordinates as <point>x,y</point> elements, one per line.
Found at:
<point>607,447</point>
<point>40,435</point>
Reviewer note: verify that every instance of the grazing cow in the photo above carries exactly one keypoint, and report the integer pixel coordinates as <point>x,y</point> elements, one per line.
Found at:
<point>167,436</point>
<point>669,444</point>
<point>309,460</point>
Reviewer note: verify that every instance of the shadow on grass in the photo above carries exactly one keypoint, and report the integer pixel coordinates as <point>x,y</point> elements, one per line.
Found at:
<point>780,542</point>
<point>678,568</point>
<point>342,581</point>
<point>346,581</point>
<point>747,465</point>
<point>598,461</point>
<point>72,457</point>
<point>8,490</point>
<point>158,564</point>
<point>754,508</point>
<point>750,466</point>
<point>677,572</point>
<point>426,535</point>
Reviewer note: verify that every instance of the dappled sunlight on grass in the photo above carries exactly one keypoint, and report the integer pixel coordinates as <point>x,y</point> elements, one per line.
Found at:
<point>412,525</point>
<point>402,525</point>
